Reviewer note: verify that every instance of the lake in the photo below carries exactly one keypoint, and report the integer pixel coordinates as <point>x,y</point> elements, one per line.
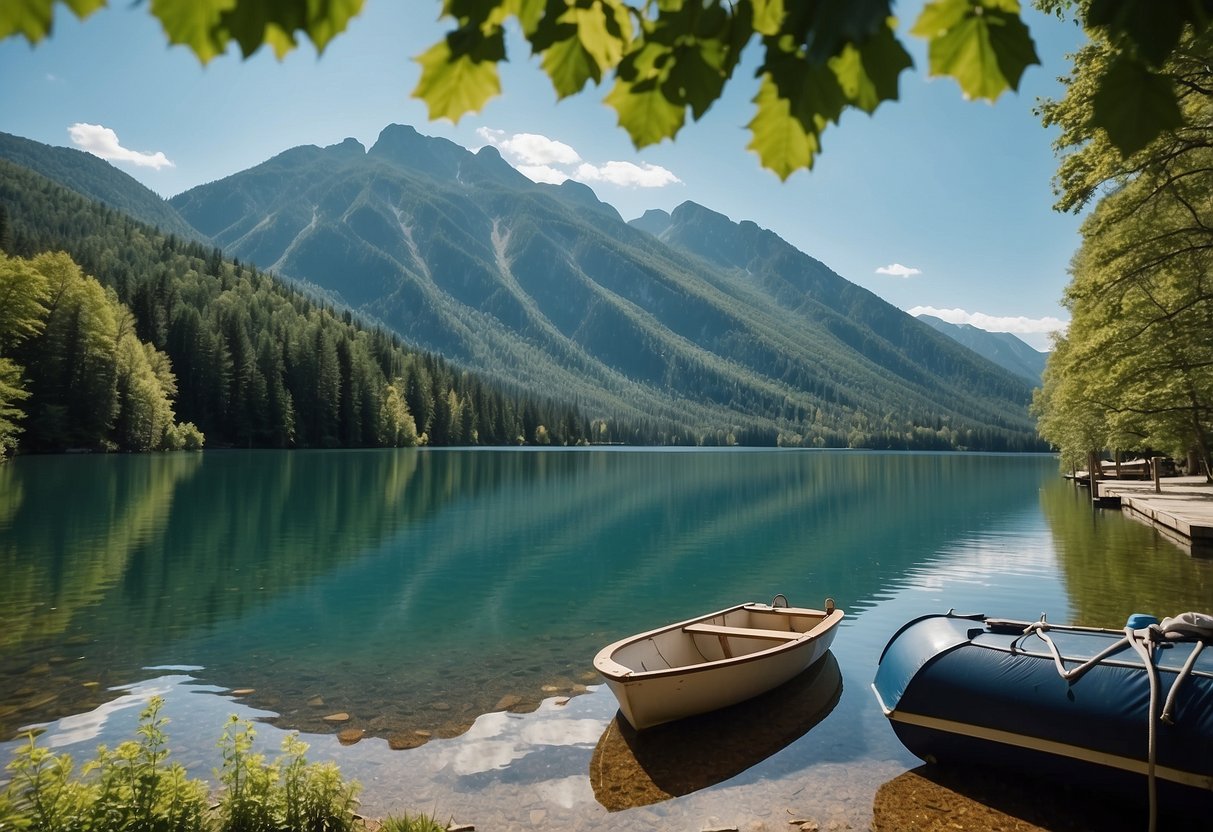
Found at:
<point>453,600</point>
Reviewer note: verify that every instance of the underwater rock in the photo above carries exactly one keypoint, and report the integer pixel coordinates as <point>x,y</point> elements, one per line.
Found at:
<point>349,736</point>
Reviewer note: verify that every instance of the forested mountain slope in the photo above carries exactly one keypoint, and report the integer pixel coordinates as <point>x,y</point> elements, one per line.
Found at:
<point>99,181</point>
<point>1003,348</point>
<point>874,350</point>
<point>255,362</point>
<point>720,327</point>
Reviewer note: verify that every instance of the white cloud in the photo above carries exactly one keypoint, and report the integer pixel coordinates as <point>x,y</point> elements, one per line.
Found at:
<point>627,175</point>
<point>529,148</point>
<point>103,142</point>
<point>542,159</point>
<point>993,323</point>
<point>898,270</point>
<point>542,173</point>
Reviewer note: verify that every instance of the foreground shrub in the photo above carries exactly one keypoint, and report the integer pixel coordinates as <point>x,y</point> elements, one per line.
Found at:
<point>288,794</point>
<point>41,794</point>
<point>137,789</point>
<point>408,823</point>
<point>134,788</point>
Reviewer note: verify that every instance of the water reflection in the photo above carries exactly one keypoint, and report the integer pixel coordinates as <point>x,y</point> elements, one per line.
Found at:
<point>1114,567</point>
<point>416,590</point>
<point>66,540</point>
<point>110,560</point>
<point>463,594</point>
<point>631,768</point>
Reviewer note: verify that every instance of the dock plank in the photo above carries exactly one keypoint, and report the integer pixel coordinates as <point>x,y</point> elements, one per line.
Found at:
<point>1184,506</point>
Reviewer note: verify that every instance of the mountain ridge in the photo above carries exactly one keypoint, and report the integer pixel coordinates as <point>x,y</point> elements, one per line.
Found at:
<point>543,286</point>
<point>1003,348</point>
<point>255,362</point>
<point>98,180</point>
<point>683,323</point>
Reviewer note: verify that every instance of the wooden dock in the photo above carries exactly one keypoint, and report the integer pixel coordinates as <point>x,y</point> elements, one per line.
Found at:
<point>1182,510</point>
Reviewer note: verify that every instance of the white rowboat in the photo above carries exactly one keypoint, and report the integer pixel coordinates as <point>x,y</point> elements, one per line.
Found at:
<point>715,660</point>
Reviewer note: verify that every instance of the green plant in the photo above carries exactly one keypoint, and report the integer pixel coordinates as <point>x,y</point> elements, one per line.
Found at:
<point>41,794</point>
<point>137,789</point>
<point>287,794</point>
<point>412,823</point>
<point>247,803</point>
<point>316,798</point>
<point>133,788</point>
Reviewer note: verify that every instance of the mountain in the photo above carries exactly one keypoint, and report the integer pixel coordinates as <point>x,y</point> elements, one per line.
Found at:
<point>823,305</point>
<point>690,317</point>
<point>1003,348</point>
<point>99,181</point>
<point>254,361</point>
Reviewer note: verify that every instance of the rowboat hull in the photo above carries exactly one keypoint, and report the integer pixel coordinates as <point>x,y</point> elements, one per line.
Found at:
<point>961,690</point>
<point>712,661</point>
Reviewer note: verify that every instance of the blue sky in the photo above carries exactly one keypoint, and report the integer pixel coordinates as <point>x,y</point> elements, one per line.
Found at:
<point>933,203</point>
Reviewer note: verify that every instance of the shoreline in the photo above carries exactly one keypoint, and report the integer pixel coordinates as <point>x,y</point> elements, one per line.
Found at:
<point>499,775</point>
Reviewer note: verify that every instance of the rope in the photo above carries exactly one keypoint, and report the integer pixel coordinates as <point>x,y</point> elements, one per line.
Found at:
<point>1183,674</point>
<point>1139,643</point>
<point>1040,629</point>
<point>1189,626</point>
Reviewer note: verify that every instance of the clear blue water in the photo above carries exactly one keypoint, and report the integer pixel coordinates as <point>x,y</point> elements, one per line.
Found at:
<point>423,591</point>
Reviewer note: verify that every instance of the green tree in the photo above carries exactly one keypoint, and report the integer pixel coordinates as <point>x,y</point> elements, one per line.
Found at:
<point>71,365</point>
<point>396,426</point>
<point>1142,307</point>
<point>325,417</point>
<point>6,230</point>
<point>1066,416</point>
<point>279,416</point>
<point>12,393</point>
<point>24,292</point>
<point>92,382</point>
<point>419,395</point>
<point>1136,367</point>
<point>145,387</point>
<point>1092,160</point>
<point>453,411</point>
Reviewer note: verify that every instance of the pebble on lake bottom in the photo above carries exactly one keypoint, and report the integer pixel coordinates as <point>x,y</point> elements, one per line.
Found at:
<point>510,700</point>
<point>403,742</point>
<point>349,736</point>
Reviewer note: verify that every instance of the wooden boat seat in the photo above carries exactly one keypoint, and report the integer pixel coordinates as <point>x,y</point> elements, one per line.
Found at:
<point>741,632</point>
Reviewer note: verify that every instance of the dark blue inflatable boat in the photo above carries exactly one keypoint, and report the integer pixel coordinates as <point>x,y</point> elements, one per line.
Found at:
<point>1128,710</point>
